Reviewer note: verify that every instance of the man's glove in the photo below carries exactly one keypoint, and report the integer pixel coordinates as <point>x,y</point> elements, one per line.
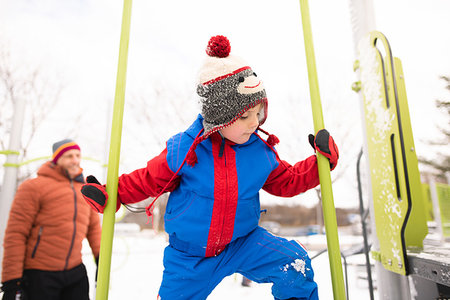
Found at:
<point>324,143</point>
<point>13,289</point>
<point>95,194</point>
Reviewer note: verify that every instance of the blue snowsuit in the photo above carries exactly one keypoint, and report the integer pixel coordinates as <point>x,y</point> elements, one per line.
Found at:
<point>213,211</point>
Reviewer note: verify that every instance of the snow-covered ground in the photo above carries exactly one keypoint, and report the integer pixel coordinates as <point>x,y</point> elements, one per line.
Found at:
<point>136,269</point>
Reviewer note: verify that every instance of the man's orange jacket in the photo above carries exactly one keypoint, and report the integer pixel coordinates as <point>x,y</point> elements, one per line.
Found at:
<point>47,223</point>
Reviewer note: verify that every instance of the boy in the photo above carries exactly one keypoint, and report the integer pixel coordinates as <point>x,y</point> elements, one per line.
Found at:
<point>214,171</point>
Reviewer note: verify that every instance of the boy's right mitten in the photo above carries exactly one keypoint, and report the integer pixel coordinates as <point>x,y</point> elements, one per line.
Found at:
<point>95,194</point>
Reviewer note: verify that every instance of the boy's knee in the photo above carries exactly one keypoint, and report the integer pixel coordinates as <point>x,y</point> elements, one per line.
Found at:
<point>296,280</point>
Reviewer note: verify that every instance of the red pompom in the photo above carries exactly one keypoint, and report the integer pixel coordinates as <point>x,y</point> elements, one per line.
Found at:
<point>218,46</point>
<point>272,140</point>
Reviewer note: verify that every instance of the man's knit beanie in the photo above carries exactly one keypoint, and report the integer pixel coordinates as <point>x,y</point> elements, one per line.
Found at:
<point>227,87</point>
<point>59,148</point>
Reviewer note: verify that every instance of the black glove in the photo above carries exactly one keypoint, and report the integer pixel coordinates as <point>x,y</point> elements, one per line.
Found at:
<point>95,194</point>
<point>96,270</point>
<point>324,143</point>
<point>13,288</point>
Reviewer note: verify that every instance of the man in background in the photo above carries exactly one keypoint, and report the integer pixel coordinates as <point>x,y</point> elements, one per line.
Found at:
<point>47,223</point>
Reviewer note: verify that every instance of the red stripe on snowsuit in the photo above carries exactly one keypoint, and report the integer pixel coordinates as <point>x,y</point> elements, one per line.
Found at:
<point>225,198</point>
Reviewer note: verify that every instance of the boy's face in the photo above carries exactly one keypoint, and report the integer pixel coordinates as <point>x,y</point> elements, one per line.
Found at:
<point>240,131</point>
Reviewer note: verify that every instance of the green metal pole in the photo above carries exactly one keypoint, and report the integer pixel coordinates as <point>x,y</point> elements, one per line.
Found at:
<point>329,214</point>
<point>113,161</point>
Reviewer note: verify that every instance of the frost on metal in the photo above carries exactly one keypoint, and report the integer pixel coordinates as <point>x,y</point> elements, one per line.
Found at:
<point>373,89</point>
<point>299,265</point>
<point>380,122</point>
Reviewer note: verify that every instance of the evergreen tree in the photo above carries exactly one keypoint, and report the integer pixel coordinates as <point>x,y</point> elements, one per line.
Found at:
<point>441,164</point>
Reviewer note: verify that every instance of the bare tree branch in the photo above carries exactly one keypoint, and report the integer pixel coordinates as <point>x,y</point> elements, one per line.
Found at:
<point>41,92</point>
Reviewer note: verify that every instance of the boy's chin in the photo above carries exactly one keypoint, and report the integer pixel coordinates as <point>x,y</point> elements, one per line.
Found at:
<point>242,141</point>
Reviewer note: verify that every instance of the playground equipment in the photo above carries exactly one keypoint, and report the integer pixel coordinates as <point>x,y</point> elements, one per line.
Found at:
<point>329,213</point>
<point>112,179</point>
<point>116,131</point>
<point>437,207</point>
<point>407,268</point>
<point>10,175</point>
<point>408,265</point>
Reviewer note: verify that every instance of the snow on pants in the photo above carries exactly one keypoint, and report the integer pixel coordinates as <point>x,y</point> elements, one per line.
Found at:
<point>259,256</point>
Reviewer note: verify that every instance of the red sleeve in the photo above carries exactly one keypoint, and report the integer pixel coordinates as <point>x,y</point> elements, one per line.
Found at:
<point>147,182</point>
<point>289,181</point>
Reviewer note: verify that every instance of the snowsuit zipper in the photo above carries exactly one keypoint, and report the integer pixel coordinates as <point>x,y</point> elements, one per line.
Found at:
<point>222,146</point>
<point>74,224</point>
<point>38,239</point>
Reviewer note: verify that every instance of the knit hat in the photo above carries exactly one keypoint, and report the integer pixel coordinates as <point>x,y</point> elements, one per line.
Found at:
<point>59,148</point>
<point>227,87</point>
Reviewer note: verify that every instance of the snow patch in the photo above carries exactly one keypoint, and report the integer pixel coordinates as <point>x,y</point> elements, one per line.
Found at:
<point>299,266</point>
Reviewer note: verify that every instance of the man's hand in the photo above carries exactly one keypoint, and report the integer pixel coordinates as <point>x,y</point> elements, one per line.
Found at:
<point>13,289</point>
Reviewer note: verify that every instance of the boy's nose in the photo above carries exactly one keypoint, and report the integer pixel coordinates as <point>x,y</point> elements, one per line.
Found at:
<point>254,122</point>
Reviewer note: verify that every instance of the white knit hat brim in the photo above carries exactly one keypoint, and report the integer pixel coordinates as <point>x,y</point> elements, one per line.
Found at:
<point>215,67</point>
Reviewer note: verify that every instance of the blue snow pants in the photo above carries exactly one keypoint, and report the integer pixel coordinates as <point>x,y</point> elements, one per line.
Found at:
<point>259,256</point>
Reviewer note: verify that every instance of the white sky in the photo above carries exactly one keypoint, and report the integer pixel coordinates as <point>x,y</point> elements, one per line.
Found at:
<point>78,40</point>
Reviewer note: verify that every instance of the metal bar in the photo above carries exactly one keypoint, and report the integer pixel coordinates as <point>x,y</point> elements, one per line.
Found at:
<point>363,224</point>
<point>323,164</point>
<point>113,161</point>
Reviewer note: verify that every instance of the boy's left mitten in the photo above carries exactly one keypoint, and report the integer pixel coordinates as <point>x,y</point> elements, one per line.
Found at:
<point>324,143</point>
<point>95,194</point>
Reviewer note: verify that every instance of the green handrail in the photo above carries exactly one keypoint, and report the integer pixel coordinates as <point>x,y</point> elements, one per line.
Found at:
<point>113,160</point>
<point>18,165</point>
<point>8,152</point>
<point>329,214</point>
